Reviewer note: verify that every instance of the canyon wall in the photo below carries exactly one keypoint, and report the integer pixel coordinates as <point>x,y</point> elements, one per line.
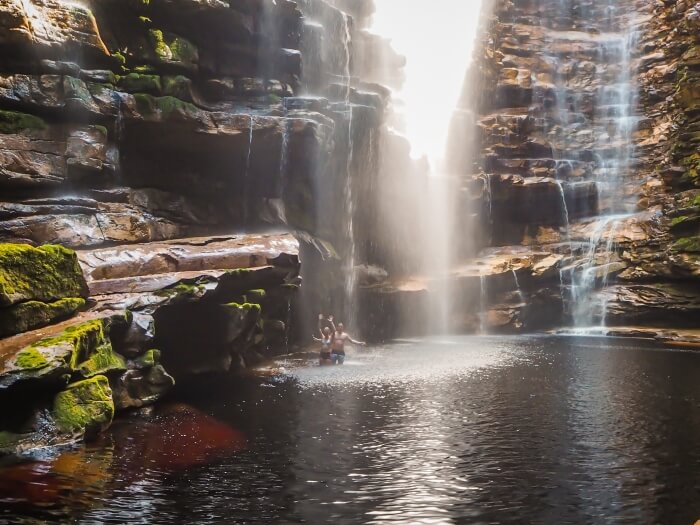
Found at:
<point>192,153</point>
<point>583,180</point>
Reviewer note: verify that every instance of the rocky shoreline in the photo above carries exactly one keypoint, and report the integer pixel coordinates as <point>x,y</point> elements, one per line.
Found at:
<point>157,314</point>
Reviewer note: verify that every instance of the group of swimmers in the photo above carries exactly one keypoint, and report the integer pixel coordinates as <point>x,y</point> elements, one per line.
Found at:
<point>333,339</point>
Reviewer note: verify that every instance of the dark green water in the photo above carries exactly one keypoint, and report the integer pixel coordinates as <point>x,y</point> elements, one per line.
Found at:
<point>471,430</point>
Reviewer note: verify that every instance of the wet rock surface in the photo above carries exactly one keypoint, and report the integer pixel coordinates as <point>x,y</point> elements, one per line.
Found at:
<point>585,129</point>
<point>228,297</point>
<point>141,134</point>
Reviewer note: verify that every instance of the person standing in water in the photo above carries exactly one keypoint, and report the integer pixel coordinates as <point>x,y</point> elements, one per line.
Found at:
<point>340,337</point>
<point>326,341</point>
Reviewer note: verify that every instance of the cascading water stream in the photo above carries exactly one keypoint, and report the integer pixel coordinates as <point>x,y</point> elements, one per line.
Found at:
<point>246,175</point>
<point>483,302</point>
<point>518,289</point>
<point>350,204</point>
<point>423,109</point>
<point>593,131</point>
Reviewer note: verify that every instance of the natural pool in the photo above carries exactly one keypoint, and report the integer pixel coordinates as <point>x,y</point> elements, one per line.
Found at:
<point>517,430</point>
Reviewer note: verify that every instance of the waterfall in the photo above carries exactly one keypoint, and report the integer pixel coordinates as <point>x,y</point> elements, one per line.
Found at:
<point>350,201</point>
<point>592,127</point>
<point>483,306</point>
<point>246,179</point>
<point>419,203</point>
<point>518,289</point>
<point>564,206</point>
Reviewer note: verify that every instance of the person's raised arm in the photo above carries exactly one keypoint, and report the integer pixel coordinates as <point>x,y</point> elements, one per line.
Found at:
<point>358,343</point>
<point>330,320</point>
<point>320,326</point>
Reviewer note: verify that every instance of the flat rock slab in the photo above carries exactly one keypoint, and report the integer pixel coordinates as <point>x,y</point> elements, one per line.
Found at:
<point>11,345</point>
<point>132,268</point>
<point>671,337</point>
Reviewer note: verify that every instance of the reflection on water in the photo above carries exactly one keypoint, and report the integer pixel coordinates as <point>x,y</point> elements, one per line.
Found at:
<point>473,430</point>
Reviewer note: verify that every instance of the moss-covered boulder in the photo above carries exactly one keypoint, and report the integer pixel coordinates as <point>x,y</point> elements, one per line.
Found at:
<point>165,107</point>
<point>84,407</point>
<point>171,48</point>
<point>27,316</point>
<point>79,352</point>
<point>178,86</point>
<point>240,319</point>
<point>103,360</point>
<point>45,274</point>
<point>687,244</point>
<point>12,122</point>
<point>46,365</point>
<point>141,83</point>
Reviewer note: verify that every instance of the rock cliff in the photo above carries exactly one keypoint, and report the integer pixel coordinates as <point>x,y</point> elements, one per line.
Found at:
<point>583,177</point>
<point>163,140</point>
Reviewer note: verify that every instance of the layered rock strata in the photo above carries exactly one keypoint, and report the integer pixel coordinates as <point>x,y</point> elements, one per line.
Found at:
<point>585,125</point>
<point>161,313</point>
<point>141,134</point>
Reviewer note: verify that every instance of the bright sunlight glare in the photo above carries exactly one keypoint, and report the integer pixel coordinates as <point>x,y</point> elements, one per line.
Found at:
<point>438,51</point>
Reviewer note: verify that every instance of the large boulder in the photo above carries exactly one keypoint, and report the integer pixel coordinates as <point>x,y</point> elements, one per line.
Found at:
<point>50,27</point>
<point>38,286</point>
<point>32,314</point>
<point>81,351</point>
<point>85,407</point>
<point>47,273</point>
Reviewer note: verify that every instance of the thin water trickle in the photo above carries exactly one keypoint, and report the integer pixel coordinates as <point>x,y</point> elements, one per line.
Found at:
<point>246,175</point>
<point>518,289</point>
<point>483,306</point>
<point>593,272</point>
<point>565,210</point>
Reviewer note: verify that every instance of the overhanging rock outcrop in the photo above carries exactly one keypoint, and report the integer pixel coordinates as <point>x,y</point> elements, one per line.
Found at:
<point>159,313</point>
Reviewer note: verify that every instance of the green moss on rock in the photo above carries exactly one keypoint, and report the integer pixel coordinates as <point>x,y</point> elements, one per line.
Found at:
<point>183,50</point>
<point>102,361</point>
<point>166,106</point>
<point>141,83</point>
<point>155,36</point>
<point>182,289</point>
<point>177,86</point>
<point>150,359</point>
<point>80,351</point>
<point>46,274</point>
<point>84,338</point>
<point>120,58</point>
<point>30,358</point>
<point>245,306</point>
<point>172,48</point>
<point>16,122</point>
<point>684,222</point>
<point>687,245</point>
<point>144,69</point>
<point>35,314</point>
<point>84,407</point>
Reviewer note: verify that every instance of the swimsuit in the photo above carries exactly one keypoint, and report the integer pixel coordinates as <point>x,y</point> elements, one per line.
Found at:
<point>326,349</point>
